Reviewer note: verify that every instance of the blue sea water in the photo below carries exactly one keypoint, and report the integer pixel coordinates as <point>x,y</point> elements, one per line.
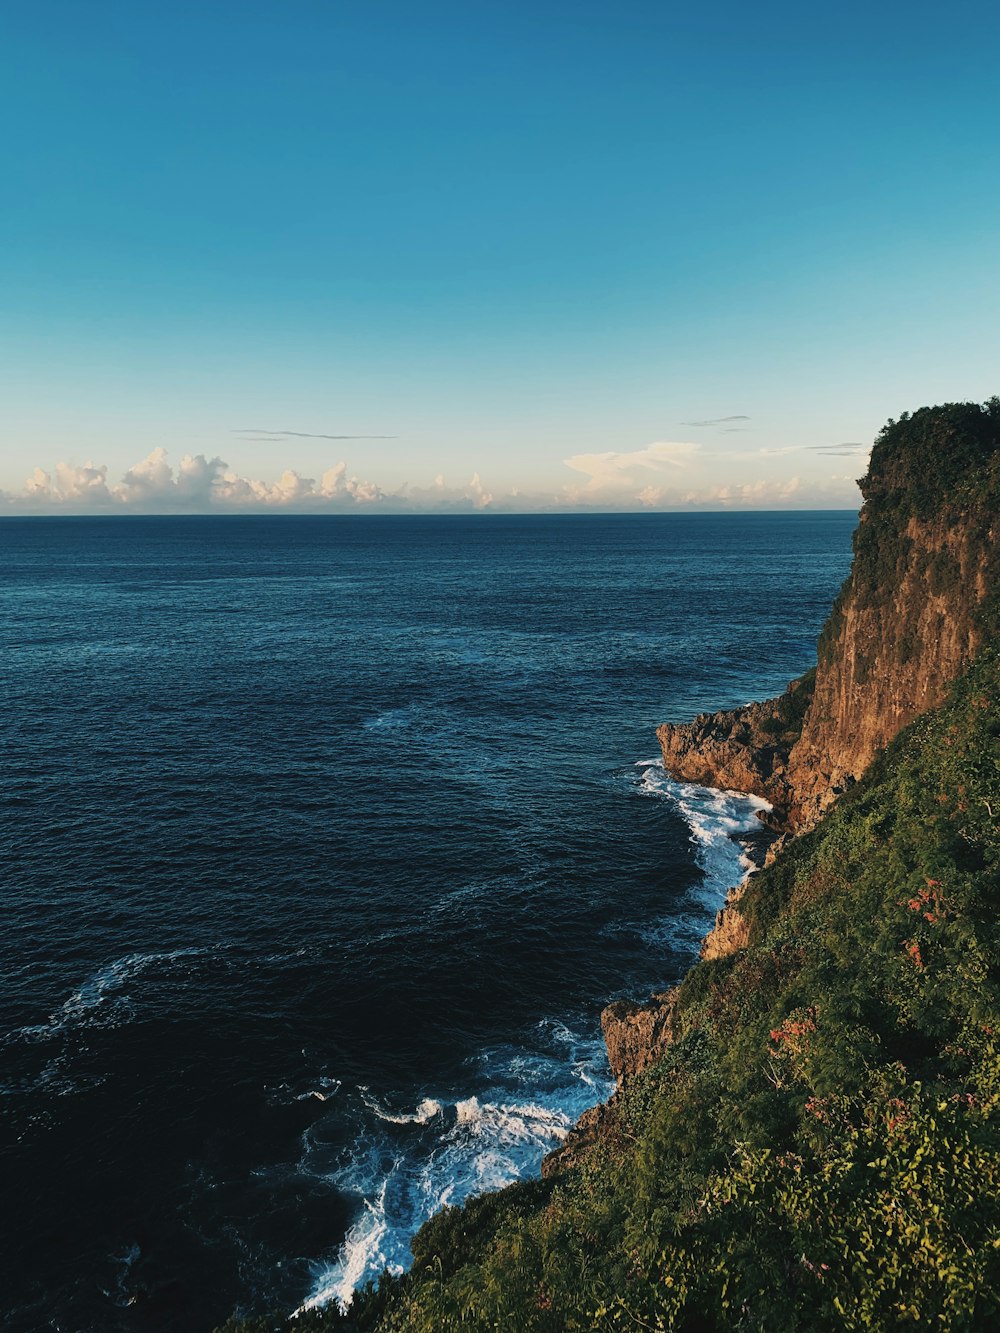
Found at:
<point>325,842</point>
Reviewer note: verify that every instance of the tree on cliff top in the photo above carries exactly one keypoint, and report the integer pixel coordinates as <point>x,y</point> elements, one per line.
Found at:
<point>927,455</point>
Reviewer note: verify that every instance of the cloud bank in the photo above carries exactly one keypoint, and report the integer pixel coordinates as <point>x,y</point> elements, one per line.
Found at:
<point>661,475</point>
<point>200,484</point>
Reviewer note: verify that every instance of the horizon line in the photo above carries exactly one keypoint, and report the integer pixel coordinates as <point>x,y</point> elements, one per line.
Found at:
<point>464,513</point>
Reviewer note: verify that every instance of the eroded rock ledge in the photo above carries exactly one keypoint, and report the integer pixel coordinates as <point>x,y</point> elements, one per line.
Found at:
<point>745,749</point>
<point>636,1036</point>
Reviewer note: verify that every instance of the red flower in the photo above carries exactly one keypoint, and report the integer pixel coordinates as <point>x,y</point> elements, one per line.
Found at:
<point>913,950</point>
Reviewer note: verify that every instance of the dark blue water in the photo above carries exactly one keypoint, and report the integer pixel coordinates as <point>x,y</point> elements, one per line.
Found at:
<point>324,844</point>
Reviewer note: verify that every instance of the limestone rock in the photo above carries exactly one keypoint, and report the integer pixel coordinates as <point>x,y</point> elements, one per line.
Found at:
<point>730,932</point>
<point>636,1035</point>
<point>886,656</point>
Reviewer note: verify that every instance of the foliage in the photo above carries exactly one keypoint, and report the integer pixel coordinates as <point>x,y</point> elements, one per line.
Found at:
<point>928,458</point>
<point>940,464</point>
<point>790,708</point>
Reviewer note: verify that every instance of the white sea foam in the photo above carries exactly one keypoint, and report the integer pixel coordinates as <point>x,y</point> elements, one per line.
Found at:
<point>503,1125</point>
<point>325,1089</point>
<point>717,820</point>
<point>99,1000</point>
<point>361,1256</point>
<point>427,1109</point>
<point>405,1166</point>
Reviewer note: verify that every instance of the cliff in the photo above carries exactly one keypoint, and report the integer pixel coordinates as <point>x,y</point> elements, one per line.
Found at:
<point>806,1132</point>
<point>918,604</point>
<point>915,609</point>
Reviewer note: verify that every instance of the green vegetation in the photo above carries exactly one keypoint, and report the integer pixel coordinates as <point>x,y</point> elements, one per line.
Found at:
<point>938,466</point>
<point>790,710</point>
<point>932,458</point>
<point>819,1148</point>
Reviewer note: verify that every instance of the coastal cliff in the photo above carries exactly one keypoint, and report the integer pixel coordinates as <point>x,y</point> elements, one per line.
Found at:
<point>917,606</point>
<point>806,1131</point>
<point>914,611</point>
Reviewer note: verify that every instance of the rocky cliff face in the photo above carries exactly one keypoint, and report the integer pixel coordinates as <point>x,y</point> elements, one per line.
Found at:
<point>745,749</point>
<point>636,1035</point>
<point>890,651</point>
<point>909,619</point>
<point>919,601</point>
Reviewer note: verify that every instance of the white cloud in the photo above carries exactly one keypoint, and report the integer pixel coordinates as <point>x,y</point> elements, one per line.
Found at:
<point>86,485</point>
<point>198,483</point>
<point>613,472</point>
<point>477,492</point>
<point>663,475</point>
<point>442,498</point>
<point>754,494</point>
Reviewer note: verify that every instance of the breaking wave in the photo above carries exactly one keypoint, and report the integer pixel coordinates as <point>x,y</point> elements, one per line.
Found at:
<point>426,1110</point>
<point>402,1167</point>
<point>720,822</point>
<point>405,1165</point>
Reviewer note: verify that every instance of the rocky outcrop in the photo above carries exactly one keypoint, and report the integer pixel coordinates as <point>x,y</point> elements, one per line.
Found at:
<point>636,1035</point>
<point>595,1123</point>
<point>889,653</point>
<point>744,749</point>
<point>730,931</point>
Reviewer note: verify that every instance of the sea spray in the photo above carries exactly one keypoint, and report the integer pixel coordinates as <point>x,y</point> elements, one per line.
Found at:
<point>720,821</point>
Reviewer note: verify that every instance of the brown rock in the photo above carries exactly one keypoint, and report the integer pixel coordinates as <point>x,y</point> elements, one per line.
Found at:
<point>636,1035</point>
<point>885,659</point>
<point>735,750</point>
<point>731,930</point>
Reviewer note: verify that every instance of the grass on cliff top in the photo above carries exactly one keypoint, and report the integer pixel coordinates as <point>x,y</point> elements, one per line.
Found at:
<point>819,1149</point>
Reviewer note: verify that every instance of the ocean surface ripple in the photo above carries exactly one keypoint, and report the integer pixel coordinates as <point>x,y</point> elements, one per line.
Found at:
<point>327,841</point>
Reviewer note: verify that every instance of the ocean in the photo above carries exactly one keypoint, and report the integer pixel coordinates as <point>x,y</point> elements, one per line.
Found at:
<point>326,839</point>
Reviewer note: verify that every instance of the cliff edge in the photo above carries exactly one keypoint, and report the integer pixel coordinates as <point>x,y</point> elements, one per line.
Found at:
<point>806,1131</point>
<point>919,602</point>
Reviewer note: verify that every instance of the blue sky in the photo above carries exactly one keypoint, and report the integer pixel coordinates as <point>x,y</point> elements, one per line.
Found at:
<point>588,254</point>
